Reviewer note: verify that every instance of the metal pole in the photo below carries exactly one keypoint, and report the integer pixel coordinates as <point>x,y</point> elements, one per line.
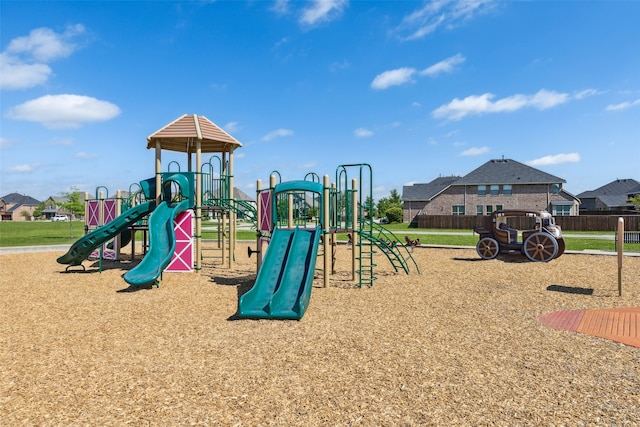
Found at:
<point>325,231</point>
<point>354,234</point>
<point>259,214</point>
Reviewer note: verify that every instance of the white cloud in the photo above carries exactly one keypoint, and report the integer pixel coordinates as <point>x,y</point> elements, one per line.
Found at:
<point>555,159</point>
<point>445,66</point>
<point>483,104</point>
<point>44,45</point>
<point>585,93</point>
<point>23,64</point>
<point>231,127</point>
<point>281,7</point>
<point>277,133</point>
<point>435,14</point>
<point>416,104</point>
<point>395,77</point>
<point>15,74</point>
<point>23,168</point>
<point>404,75</point>
<point>84,155</point>
<point>623,105</point>
<point>322,11</point>
<point>337,66</point>
<point>64,111</point>
<point>362,133</point>
<point>475,151</point>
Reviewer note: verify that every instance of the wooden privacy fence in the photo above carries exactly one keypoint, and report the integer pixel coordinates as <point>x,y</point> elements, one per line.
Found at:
<point>567,223</point>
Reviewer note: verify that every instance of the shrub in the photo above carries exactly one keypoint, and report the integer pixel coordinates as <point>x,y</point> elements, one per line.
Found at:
<point>394,214</point>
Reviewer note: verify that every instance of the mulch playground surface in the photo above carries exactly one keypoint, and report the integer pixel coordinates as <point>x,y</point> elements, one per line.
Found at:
<point>467,342</point>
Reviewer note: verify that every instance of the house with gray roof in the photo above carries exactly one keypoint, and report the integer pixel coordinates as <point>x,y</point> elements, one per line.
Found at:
<point>497,184</point>
<point>612,196</point>
<point>17,207</point>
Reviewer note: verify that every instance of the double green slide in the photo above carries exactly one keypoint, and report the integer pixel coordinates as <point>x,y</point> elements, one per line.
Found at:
<point>283,287</point>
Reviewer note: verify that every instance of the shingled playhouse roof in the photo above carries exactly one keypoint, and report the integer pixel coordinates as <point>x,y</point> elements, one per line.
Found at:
<point>181,135</point>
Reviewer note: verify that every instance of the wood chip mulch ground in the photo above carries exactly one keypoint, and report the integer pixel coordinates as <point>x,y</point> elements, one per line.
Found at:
<point>460,344</point>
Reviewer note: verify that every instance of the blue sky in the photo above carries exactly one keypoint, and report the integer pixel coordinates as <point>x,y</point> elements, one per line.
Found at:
<point>415,89</point>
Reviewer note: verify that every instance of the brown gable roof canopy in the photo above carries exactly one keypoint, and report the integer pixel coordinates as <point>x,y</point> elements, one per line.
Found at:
<point>181,135</point>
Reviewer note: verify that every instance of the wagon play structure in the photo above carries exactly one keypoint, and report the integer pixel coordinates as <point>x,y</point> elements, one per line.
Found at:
<point>540,237</point>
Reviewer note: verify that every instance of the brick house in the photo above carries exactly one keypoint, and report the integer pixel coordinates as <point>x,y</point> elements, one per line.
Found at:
<point>611,196</point>
<point>497,184</point>
<point>17,207</point>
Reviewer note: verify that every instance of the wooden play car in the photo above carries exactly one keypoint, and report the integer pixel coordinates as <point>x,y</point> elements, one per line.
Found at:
<point>540,238</point>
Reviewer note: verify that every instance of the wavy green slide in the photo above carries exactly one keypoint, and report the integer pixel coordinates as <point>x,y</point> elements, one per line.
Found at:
<point>162,244</point>
<point>83,247</point>
<point>283,287</point>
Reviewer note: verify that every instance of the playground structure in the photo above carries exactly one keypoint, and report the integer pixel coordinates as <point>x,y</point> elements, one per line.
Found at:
<point>295,219</point>
<point>348,203</point>
<point>292,218</point>
<point>167,195</point>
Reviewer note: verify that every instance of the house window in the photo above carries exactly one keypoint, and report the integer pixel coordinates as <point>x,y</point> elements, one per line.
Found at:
<point>479,209</point>
<point>457,210</point>
<point>562,210</point>
<point>482,190</point>
<point>506,189</point>
<point>555,188</point>
<point>489,209</point>
<point>495,190</point>
<point>498,207</point>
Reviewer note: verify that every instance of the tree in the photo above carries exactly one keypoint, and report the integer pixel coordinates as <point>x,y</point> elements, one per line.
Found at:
<point>635,201</point>
<point>37,212</point>
<point>369,208</point>
<point>393,201</point>
<point>73,203</point>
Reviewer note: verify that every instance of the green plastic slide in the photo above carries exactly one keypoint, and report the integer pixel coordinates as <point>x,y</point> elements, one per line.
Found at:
<point>83,247</point>
<point>283,287</point>
<point>162,244</point>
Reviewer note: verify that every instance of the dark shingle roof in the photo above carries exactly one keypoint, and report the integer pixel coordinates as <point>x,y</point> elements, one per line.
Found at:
<point>19,199</point>
<point>427,191</point>
<point>241,195</point>
<point>614,200</point>
<point>507,171</point>
<point>614,188</point>
<point>634,191</point>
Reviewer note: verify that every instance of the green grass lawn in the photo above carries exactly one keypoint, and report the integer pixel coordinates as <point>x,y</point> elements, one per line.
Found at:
<point>37,233</point>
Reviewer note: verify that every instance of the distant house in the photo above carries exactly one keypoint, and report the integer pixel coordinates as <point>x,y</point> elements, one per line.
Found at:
<point>611,196</point>
<point>53,206</point>
<point>497,184</point>
<point>245,201</point>
<point>17,207</point>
